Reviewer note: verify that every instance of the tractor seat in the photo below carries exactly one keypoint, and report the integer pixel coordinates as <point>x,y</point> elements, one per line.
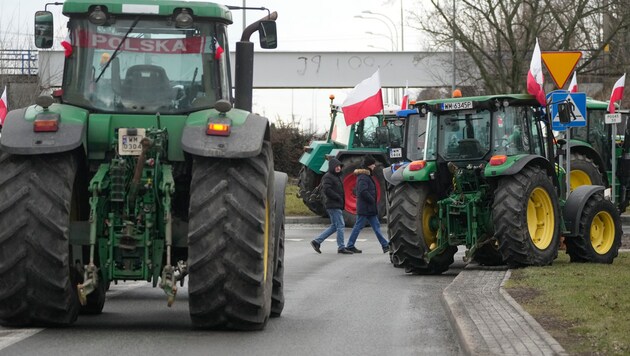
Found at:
<point>147,84</point>
<point>470,147</point>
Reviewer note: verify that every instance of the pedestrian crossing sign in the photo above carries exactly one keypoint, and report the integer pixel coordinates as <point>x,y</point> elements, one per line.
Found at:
<point>576,100</point>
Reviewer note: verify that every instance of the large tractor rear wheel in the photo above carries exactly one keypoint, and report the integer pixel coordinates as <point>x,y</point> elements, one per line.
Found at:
<point>584,171</point>
<point>35,267</point>
<point>277,295</point>
<point>349,180</point>
<point>601,233</point>
<point>308,181</point>
<point>230,241</point>
<point>526,218</point>
<point>412,224</point>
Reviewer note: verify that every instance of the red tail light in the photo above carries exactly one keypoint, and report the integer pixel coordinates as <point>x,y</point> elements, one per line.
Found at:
<point>46,125</point>
<point>417,165</point>
<point>498,160</point>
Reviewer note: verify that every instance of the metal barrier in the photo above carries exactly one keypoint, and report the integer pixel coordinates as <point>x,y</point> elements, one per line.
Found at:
<point>18,61</point>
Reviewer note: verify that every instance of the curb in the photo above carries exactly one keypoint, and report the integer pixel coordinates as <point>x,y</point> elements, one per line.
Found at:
<point>487,321</point>
<point>553,343</point>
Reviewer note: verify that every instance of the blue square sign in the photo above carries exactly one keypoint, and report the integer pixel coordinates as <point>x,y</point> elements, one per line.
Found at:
<point>578,101</point>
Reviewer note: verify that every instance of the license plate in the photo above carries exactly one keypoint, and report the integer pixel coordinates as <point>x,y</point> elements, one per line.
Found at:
<point>395,153</point>
<point>129,141</point>
<point>462,105</point>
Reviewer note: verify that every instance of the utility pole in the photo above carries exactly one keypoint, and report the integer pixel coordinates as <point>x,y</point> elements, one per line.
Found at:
<point>454,67</point>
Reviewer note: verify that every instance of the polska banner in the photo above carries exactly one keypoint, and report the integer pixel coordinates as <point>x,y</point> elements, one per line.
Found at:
<point>109,42</point>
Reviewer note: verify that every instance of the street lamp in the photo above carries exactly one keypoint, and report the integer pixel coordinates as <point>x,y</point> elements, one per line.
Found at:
<point>390,21</point>
<point>394,48</point>
<point>391,34</point>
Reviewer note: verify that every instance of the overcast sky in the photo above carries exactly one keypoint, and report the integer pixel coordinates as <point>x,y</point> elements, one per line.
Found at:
<point>323,25</point>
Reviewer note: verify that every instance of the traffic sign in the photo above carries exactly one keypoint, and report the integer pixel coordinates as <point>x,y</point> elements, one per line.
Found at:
<point>578,102</point>
<point>612,118</point>
<point>560,65</point>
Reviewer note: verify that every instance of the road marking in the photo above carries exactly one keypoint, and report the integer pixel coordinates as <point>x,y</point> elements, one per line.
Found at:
<point>118,289</point>
<point>9,337</point>
<point>332,240</point>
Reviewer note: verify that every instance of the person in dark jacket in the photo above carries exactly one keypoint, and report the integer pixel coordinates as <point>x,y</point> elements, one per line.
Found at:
<point>367,208</point>
<point>334,202</point>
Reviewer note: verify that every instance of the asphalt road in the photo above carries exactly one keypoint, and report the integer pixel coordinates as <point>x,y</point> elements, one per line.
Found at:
<point>335,305</point>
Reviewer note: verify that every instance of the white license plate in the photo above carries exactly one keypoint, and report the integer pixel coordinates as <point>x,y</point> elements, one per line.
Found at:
<point>129,145</point>
<point>457,106</point>
<point>395,153</point>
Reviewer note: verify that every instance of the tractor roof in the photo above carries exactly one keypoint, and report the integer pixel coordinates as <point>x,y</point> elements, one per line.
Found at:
<point>149,7</point>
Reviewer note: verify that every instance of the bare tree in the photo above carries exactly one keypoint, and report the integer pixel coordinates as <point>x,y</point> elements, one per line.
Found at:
<point>495,38</point>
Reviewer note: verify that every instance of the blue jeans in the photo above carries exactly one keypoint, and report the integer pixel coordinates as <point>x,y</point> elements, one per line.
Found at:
<point>336,224</point>
<point>376,226</point>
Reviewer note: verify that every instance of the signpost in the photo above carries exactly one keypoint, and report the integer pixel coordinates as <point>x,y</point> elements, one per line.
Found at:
<point>613,119</point>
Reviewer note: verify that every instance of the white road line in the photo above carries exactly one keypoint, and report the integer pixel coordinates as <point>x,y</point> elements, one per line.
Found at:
<point>116,290</point>
<point>332,240</point>
<point>9,337</point>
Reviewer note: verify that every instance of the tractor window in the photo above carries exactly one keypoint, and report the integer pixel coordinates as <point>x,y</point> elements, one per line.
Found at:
<point>430,151</point>
<point>158,67</point>
<point>396,128</point>
<point>417,138</point>
<point>464,134</point>
<point>513,131</point>
<point>365,133</point>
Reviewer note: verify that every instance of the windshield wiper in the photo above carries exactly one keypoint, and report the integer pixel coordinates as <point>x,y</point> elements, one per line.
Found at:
<point>135,22</point>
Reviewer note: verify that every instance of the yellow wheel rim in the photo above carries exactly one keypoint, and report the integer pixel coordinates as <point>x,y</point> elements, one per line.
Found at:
<point>430,210</point>
<point>540,218</point>
<point>602,232</point>
<point>579,178</point>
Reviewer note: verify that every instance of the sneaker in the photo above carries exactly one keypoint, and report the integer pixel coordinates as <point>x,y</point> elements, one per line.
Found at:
<point>316,245</point>
<point>386,249</point>
<point>344,251</point>
<point>353,249</point>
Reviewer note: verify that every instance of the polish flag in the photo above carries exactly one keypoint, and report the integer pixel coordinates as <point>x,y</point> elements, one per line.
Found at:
<point>3,106</point>
<point>218,50</point>
<point>67,45</point>
<point>573,88</point>
<point>364,100</point>
<point>535,77</point>
<point>617,93</point>
<point>405,99</point>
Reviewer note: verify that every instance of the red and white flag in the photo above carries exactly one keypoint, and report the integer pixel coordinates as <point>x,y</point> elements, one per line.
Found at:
<point>364,100</point>
<point>405,99</point>
<point>573,88</point>
<point>218,50</point>
<point>67,45</point>
<point>535,77</point>
<point>617,93</point>
<point>3,106</point>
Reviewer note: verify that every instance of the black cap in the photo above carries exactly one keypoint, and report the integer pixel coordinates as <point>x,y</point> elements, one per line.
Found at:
<point>368,161</point>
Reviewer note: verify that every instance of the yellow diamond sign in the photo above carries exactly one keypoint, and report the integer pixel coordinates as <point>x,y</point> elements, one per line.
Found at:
<point>560,65</point>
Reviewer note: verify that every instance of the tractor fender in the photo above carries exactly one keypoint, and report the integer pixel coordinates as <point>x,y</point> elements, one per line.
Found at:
<point>527,160</point>
<point>19,138</point>
<point>575,203</point>
<point>245,140</point>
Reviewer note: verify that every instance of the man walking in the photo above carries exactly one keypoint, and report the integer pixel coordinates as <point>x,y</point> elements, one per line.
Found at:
<point>334,202</point>
<point>367,208</point>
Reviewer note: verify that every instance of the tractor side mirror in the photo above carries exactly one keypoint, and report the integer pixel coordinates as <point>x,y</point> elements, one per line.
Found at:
<point>564,112</point>
<point>382,135</point>
<point>44,29</point>
<point>268,34</point>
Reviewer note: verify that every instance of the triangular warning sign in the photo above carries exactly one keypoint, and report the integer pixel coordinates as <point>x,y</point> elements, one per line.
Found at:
<point>560,65</point>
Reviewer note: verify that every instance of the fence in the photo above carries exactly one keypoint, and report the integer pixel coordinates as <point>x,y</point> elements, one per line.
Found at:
<point>18,61</point>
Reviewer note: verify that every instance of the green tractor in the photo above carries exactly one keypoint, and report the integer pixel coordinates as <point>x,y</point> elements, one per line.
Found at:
<point>349,144</point>
<point>142,170</point>
<point>485,177</point>
<point>591,153</point>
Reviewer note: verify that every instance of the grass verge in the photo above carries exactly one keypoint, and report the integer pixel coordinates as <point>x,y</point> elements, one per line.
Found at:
<point>586,307</point>
<point>294,205</point>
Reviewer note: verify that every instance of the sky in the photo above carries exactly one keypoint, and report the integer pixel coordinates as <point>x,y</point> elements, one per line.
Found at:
<point>323,25</point>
